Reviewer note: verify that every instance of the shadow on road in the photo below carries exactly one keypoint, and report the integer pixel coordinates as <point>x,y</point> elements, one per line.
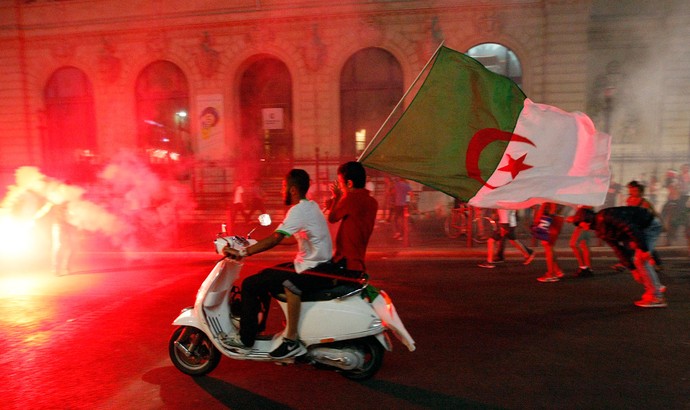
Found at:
<point>423,397</point>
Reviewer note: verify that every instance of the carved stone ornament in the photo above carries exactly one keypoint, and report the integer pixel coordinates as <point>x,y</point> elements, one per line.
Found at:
<point>315,52</point>
<point>488,24</point>
<point>260,35</point>
<point>207,59</point>
<point>63,51</point>
<point>431,40</point>
<point>157,42</point>
<point>109,65</point>
<point>371,31</point>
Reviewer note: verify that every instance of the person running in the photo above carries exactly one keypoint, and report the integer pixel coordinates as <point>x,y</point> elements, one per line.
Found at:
<point>630,230</point>
<point>549,218</point>
<point>579,243</point>
<point>507,222</point>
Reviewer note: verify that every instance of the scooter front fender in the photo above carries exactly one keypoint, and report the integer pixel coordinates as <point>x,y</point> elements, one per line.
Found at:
<point>188,318</point>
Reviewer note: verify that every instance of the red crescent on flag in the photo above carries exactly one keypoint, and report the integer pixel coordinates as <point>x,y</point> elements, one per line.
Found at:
<point>479,141</point>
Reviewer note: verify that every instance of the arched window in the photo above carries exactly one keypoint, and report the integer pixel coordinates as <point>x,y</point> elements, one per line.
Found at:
<point>499,59</point>
<point>266,110</point>
<point>69,131</point>
<point>371,84</point>
<point>162,95</point>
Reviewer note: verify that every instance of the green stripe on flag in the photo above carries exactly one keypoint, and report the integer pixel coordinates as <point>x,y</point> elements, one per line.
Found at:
<point>429,143</point>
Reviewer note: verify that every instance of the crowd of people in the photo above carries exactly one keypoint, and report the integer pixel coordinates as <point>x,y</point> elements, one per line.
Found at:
<point>632,229</point>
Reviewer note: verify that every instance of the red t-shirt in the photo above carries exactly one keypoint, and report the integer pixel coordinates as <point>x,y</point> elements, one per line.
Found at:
<point>357,212</point>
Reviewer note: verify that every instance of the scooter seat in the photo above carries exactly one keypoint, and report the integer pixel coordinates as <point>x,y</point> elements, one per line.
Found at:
<point>337,291</point>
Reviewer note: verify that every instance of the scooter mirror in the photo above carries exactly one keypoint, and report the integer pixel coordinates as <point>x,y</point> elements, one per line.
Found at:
<point>265,219</point>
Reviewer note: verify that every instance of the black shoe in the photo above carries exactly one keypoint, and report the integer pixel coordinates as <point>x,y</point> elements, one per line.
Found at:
<point>288,348</point>
<point>530,257</point>
<point>584,272</point>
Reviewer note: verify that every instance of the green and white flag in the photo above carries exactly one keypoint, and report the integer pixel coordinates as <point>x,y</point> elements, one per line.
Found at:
<point>474,135</point>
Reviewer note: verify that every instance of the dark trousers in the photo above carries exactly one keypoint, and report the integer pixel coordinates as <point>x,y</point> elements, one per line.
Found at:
<point>258,289</point>
<point>256,297</point>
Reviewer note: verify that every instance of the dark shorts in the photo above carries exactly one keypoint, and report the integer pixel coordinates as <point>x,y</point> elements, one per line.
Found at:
<point>504,231</point>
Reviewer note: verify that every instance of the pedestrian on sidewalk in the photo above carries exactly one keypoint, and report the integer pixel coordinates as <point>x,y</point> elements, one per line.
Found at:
<point>507,222</point>
<point>402,200</point>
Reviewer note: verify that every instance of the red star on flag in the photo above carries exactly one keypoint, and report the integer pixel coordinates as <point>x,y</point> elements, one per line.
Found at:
<point>515,166</point>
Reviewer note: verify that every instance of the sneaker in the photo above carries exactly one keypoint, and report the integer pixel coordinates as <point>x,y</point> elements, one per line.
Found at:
<point>530,257</point>
<point>234,342</point>
<point>652,303</point>
<point>488,265</point>
<point>559,274</point>
<point>499,260</point>
<point>288,348</point>
<point>548,278</point>
<point>619,267</point>
<point>583,272</point>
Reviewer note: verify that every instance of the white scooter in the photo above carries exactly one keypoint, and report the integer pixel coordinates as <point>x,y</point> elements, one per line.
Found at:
<point>343,328</point>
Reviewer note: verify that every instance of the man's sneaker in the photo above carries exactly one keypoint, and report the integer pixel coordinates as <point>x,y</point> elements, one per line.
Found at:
<point>234,342</point>
<point>499,260</point>
<point>487,264</point>
<point>652,303</point>
<point>584,272</point>
<point>530,257</point>
<point>288,348</point>
<point>548,278</point>
<point>619,267</point>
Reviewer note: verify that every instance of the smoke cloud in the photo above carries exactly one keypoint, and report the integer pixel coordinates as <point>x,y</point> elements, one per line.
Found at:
<point>129,206</point>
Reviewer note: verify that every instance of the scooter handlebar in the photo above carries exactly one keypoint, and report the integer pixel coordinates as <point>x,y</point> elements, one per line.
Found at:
<point>233,241</point>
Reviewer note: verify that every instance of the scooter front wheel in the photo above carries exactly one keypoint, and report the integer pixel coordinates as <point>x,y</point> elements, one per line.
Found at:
<point>192,352</point>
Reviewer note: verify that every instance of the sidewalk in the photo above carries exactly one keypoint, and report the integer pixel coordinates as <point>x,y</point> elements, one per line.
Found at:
<point>426,238</point>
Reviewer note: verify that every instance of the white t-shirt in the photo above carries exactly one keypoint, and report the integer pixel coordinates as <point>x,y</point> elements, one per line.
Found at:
<point>507,216</point>
<point>306,223</point>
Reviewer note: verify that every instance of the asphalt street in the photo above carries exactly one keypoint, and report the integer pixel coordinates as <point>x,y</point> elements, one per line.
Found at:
<point>486,338</point>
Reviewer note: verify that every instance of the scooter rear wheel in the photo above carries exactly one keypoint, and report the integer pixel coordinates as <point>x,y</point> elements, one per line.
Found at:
<point>373,359</point>
<point>192,352</point>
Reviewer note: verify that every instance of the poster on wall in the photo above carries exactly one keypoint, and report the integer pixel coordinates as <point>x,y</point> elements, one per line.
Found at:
<point>272,118</point>
<point>211,138</point>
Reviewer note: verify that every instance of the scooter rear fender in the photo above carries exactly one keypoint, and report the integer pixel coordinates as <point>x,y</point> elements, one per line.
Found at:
<point>383,305</point>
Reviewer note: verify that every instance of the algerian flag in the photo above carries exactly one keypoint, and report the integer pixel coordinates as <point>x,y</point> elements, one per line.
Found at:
<point>474,135</point>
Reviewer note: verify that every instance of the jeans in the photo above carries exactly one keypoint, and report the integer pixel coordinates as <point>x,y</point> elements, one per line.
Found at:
<point>653,287</point>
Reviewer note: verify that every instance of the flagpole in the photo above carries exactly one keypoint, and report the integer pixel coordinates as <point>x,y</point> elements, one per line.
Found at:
<point>400,102</point>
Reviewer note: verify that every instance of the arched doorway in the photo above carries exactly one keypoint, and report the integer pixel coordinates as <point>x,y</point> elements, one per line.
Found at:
<point>69,131</point>
<point>499,59</point>
<point>162,98</point>
<point>371,84</point>
<point>266,116</point>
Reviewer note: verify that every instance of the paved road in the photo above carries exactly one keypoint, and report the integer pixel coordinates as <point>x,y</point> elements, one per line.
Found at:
<point>486,339</point>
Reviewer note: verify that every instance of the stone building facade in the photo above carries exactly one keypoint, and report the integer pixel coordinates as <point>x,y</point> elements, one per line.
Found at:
<point>143,74</point>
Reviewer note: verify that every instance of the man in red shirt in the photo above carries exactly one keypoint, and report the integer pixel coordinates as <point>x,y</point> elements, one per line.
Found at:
<point>355,209</point>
